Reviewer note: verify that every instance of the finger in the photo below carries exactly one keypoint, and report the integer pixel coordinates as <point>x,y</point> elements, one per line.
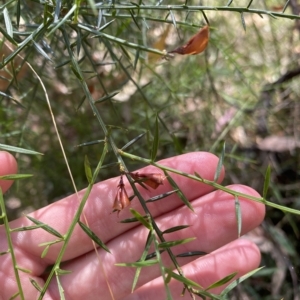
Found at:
<point>213,224</point>
<point>99,206</point>
<point>8,166</point>
<point>9,288</point>
<point>207,270</point>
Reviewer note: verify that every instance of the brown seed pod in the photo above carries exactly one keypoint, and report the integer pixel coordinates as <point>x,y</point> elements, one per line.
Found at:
<point>153,180</point>
<point>121,199</point>
<point>196,44</point>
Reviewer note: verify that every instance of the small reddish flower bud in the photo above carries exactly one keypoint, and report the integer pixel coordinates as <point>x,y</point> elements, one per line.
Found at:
<point>121,199</point>
<point>151,179</point>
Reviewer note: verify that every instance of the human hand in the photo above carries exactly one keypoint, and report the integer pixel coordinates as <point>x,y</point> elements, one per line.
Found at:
<point>213,224</point>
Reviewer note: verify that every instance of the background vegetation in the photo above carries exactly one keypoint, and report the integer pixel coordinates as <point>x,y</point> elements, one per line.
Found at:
<point>243,90</point>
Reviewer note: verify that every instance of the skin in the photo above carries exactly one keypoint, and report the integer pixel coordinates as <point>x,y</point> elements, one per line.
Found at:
<point>213,224</point>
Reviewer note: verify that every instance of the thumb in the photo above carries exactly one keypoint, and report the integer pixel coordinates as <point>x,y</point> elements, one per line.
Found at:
<point>8,165</point>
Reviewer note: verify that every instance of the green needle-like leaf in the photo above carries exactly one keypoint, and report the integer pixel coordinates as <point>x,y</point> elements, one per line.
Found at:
<point>7,21</point>
<point>133,141</point>
<point>143,258</point>
<point>14,296</point>
<point>238,215</point>
<point>93,236</point>
<point>233,284</point>
<point>45,251</point>
<point>197,175</point>
<point>161,196</point>
<point>15,176</point>
<point>173,18</point>
<point>60,288</point>
<point>243,21</point>
<point>12,98</point>
<point>87,169</point>
<point>63,272</point>
<point>18,14</point>
<point>170,244</point>
<point>45,227</point>
<point>175,228</point>
<point>146,263</point>
<point>191,253</point>
<point>221,282</point>
<point>8,37</point>
<point>26,228</point>
<point>179,192</point>
<point>134,19</point>
<point>4,252</point>
<point>249,4</point>
<point>139,217</point>
<point>220,164</point>
<point>107,97</point>
<point>182,279</point>
<point>35,284</point>
<point>267,182</point>
<point>154,254</point>
<point>136,58</point>
<point>131,220</point>
<point>41,51</point>
<point>18,150</point>
<point>155,140</point>
<point>24,270</point>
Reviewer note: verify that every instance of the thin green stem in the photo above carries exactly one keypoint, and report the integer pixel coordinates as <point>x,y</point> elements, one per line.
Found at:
<point>149,18</point>
<point>211,183</point>
<point>198,8</point>
<point>10,245</point>
<point>121,41</point>
<point>156,228</point>
<point>76,13</point>
<point>74,222</point>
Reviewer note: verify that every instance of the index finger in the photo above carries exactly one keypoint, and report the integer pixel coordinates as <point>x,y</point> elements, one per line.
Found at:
<point>8,166</point>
